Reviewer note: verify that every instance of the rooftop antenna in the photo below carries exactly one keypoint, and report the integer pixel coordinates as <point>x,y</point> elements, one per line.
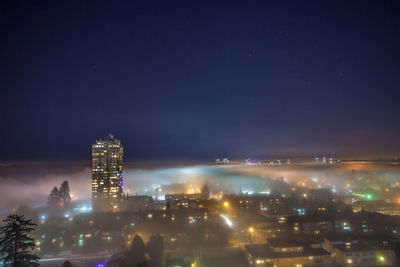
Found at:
<point>111,136</point>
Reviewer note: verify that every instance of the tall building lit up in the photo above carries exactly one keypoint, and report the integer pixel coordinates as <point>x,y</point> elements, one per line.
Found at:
<point>107,175</point>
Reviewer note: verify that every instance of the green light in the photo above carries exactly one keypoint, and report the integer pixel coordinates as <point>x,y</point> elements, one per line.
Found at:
<point>369,196</point>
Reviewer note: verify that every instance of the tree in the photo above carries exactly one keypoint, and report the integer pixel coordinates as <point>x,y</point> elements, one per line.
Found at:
<point>397,251</point>
<point>155,249</point>
<point>59,198</point>
<point>16,246</point>
<point>64,193</point>
<point>205,191</point>
<point>54,198</point>
<point>136,254</point>
<point>66,264</point>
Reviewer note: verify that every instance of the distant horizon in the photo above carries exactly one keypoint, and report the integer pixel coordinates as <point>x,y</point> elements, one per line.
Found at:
<point>184,162</point>
<point>131,154</point>
<point>309,157</point>
<point>33,181</point>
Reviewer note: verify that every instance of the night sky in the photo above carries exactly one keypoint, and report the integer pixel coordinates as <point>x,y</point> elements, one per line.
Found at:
<point>199,79</point>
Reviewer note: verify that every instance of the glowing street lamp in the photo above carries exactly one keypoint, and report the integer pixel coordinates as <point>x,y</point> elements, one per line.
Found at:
<point>226,204</point>
<point>251,232</point>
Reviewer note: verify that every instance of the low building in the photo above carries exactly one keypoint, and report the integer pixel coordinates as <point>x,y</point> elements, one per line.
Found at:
<point>363,254</point>
<point>284,254</point>
<point>379,206</point>
<point>136,203</point>
<point>322,195</point>
<point>176,201</point>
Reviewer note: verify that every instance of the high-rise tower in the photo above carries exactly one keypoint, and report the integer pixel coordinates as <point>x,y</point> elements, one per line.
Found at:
<point>107,178</point>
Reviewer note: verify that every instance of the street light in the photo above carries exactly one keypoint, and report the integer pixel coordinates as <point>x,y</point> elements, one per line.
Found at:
<point>226,204</point>
<point>251,232</point>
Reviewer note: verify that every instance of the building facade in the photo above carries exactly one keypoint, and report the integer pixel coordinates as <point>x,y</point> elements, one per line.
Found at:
<point>287,255</point>
<point>363,255</point>
<point>107,174</point>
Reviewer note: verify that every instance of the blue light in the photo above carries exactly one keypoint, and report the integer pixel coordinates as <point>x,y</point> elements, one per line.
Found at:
<point>100,265</point>
<point>301,212</point>
<point>84,208</point>
<point>334,190</point>
<point>43,217</point>
<point>161,198</point>
<point>247,192</point>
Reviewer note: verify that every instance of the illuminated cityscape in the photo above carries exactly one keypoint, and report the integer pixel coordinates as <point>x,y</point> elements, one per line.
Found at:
<point>288,214</point>
<point>200,133</point>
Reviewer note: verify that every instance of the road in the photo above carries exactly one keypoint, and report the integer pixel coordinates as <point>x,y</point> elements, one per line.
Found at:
<point>92,260</point>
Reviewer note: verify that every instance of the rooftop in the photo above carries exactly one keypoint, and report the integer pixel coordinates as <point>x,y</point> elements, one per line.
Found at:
<point>360,246</point>
<point>264,251</point>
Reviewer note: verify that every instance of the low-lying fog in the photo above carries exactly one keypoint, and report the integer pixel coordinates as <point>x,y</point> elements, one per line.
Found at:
<point>30,183</point>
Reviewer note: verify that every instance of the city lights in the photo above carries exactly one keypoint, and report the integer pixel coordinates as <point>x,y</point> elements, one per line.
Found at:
<point>261,134</point>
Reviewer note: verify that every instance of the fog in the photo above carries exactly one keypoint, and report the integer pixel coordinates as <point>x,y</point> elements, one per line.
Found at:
<point>30,183</point>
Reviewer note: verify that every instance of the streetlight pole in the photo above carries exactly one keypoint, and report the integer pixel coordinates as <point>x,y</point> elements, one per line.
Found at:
<point>251,231</point>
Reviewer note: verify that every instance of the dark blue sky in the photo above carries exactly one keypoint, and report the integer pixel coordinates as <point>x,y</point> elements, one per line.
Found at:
<point>199,79</point>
